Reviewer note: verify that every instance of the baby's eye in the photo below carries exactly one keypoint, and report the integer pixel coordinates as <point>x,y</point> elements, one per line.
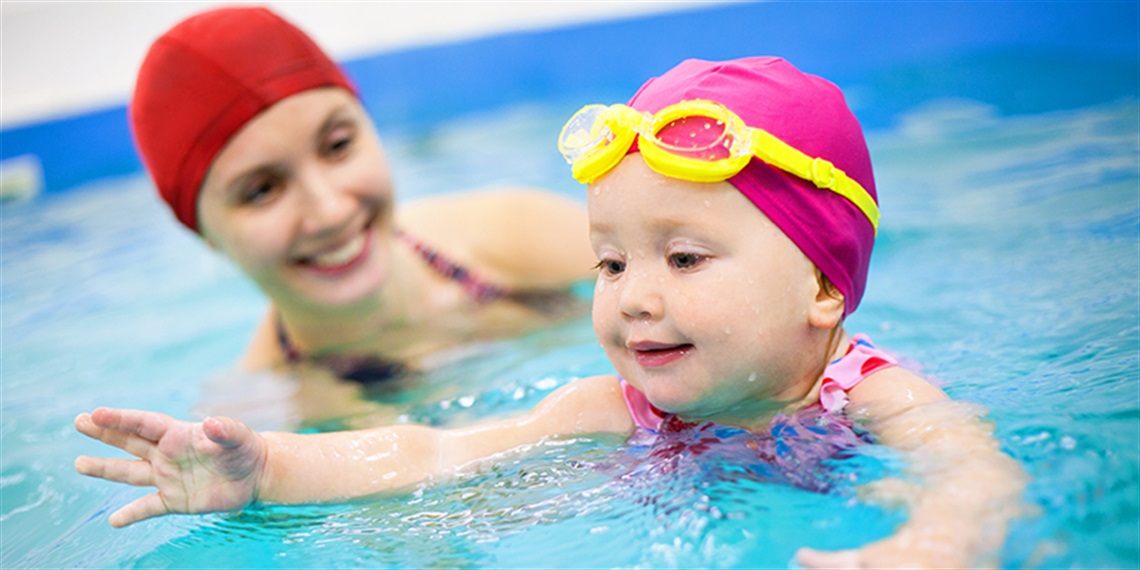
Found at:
<point>685,260</point>
<point>610,267</point>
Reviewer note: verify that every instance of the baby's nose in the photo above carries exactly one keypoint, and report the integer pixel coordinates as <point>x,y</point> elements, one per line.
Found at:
<point>641,296</point>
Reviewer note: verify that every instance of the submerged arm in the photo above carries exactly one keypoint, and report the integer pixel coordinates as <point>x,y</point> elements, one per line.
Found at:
<point>222,465</point>
<point>968,490</point>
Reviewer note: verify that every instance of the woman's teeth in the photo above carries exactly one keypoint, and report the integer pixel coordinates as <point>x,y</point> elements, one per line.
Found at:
<point>341,255</point>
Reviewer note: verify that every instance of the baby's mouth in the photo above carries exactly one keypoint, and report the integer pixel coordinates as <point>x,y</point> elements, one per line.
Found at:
<point>655,354</point>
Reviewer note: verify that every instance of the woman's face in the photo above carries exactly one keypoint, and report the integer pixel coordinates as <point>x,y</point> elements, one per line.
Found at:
<point>301,199</point>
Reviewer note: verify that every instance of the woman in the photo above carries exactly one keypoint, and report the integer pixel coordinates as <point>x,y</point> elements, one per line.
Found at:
<point>258,143</point>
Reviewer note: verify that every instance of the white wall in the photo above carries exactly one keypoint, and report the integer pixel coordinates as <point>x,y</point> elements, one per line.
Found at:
<point>69,57</point>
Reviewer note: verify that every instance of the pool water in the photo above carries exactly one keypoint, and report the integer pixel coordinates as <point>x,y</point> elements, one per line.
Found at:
<point>1007,269</point>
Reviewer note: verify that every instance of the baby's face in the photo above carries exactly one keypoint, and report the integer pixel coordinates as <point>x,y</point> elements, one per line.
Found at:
<point>701,302</point>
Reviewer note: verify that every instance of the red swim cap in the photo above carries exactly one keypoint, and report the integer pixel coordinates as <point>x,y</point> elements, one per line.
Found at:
<point>810,114</point>
<point>207,77</point>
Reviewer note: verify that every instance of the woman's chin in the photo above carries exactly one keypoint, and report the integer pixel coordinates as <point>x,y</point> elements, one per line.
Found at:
<point>345,290</point>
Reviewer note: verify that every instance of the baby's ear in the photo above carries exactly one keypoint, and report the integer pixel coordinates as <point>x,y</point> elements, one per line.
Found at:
<point>827,310</point>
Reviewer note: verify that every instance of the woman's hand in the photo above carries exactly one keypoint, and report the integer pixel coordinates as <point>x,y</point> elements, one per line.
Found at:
<point>215,465</point>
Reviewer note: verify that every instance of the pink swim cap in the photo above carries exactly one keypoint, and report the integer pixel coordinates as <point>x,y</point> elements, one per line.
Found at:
<point>810,114</point>
<point>207,77</point>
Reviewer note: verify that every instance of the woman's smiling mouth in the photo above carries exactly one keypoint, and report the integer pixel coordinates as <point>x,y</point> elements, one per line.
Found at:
<point>341,259</point>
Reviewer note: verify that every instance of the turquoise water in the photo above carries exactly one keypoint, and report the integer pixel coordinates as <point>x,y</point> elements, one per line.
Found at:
<point>1007,269</point>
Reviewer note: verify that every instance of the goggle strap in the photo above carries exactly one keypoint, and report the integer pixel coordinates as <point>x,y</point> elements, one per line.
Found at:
<point>820,172</point>
<point>625,123</point>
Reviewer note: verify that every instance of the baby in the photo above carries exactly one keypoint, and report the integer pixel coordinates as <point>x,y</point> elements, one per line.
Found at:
<point>733,211</point>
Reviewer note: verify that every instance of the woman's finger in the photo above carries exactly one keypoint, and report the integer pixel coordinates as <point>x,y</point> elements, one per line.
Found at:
<point>130,471</point>
<point>140,509</point>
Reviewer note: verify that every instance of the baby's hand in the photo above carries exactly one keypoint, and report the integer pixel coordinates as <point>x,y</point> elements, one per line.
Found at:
<point>214,465</point>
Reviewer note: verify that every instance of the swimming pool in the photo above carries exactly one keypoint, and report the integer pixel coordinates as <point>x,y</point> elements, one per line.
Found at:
<point>1007,268</point>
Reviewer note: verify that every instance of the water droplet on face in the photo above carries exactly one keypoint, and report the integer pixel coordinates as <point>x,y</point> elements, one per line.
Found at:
<point>727,330</point>
<point>752,377</point>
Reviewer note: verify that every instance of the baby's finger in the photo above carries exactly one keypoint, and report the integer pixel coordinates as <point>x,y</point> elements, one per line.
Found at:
<point>139,509</point>
<point>226,432</point>
<point>147,425</point>
<point>130,443</point>
<point>129,471</point>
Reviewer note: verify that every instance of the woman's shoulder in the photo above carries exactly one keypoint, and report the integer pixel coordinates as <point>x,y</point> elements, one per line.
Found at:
<point>471,213</point>
<point>517,237</point>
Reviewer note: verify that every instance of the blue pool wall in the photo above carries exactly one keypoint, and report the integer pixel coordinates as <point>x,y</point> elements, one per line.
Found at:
<point>888,56</point>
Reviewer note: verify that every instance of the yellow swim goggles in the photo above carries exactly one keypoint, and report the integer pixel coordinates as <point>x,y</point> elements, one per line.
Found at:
<point>715,147</point>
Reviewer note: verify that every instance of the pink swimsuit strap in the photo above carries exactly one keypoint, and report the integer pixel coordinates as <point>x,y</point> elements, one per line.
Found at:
<point>841,375</point>
<point>847,371</point>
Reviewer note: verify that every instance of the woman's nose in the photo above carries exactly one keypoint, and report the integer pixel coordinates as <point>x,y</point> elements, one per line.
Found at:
<point>641,296</point>
<point>324,205</point>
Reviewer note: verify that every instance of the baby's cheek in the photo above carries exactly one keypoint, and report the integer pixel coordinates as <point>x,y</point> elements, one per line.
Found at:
<point>604,308</point>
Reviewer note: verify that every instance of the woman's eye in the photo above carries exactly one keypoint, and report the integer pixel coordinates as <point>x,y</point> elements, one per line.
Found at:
<point>338,147</point>
<point>610,266</point>
<point>259,191</point>
<point>339,144</point>
<point>685,260</point>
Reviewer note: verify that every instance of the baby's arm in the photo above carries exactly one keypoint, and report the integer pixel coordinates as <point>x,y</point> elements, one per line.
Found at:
<point>222,465</point>
<point>968,490</point>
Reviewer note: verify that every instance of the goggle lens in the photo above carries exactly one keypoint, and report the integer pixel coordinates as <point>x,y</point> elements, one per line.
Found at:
<point>697,137</point>
<point>585,133</point>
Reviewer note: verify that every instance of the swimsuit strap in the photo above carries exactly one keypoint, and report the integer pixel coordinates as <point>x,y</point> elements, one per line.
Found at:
<point>292,355</point>
<point>478,289</point>
<point>861,360</point>
<point>644,414</point>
